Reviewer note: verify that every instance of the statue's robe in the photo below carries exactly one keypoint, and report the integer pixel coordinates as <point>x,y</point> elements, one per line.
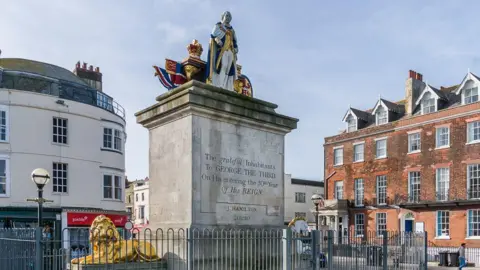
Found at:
<point>221,62</point>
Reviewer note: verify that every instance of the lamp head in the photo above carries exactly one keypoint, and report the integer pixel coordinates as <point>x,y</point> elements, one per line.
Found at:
<point>40,177</point>
<point>316,198</point>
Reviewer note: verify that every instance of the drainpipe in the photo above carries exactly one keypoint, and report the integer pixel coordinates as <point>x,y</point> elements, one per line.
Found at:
<point>325,182</point>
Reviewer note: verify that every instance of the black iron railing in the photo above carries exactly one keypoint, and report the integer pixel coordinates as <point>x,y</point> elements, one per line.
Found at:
<point>62,89</point>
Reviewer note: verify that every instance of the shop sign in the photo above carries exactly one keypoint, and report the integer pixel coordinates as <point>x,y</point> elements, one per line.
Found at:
<point>86,219</point>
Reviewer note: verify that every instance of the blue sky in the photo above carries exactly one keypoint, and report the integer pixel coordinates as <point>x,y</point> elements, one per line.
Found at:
<point>312,58</point>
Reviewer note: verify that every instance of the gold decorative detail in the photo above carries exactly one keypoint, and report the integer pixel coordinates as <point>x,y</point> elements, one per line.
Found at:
<point>109,247</point>
<point>241,85</point>
<point>195,49</point>
<point>292,222</point>
<point>190,71</point>
<point>238,83</point>
<point>238,86</point>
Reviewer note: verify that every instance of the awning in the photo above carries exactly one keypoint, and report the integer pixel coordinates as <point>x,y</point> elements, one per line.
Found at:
<point>27,214</point>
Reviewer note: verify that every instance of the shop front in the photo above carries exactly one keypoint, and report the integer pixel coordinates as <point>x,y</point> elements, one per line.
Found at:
<point>27,217</point>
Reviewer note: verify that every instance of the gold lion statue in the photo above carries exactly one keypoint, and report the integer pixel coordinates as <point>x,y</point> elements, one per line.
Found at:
<point>109,247</point>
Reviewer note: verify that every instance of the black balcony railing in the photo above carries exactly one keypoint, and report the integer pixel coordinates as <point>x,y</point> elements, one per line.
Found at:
<point>373,202</point>
<point>62,89</point>
<point>452,195</point>
<point>422,197</point>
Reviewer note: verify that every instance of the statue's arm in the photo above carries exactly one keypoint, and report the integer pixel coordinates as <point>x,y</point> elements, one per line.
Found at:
<point>218,34</point>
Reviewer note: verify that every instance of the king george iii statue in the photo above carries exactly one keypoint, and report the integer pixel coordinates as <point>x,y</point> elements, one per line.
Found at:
<point>222,54</point>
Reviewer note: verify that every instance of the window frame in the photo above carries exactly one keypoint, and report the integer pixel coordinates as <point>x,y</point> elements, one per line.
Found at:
<point>111,141</point>
<point>357,188</point>
<point>117,140</point>
<point>357,225</point>
<point>378,116</point>
<point>410,185</point>
<point>429,99</point>
<point>56,178</point>
<point>336,186</point>
<point>355,145</point>
<point>58,136</point>
<point>376,148</point>
<point>464,99</point>
<point>446,183</point>
<point>476,189</point>
<point>4,108</point>
<point>339,149</point>
<point>113,187</point>
<point>380,231</point>
<point>141,211</point>
<point>469,217</point>
<point>349,119</point>
<point>303,214</point>
<point>446,222</point>
<point>410,135</point>
<point>472,126</point>
<point>381,178</point>
<point>438,134</point>
<point>8,179</point>
<point>298,195</point>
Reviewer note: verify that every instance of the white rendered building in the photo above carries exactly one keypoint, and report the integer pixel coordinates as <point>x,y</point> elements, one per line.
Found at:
<point>63,122</point>
<point>141,199</point>
<point>298,194</point>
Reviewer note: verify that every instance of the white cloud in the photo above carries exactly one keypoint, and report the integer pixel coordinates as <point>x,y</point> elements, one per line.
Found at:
<point>172,33</point>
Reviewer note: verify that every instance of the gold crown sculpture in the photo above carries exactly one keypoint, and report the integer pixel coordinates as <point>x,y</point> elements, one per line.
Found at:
<point>195,49</point>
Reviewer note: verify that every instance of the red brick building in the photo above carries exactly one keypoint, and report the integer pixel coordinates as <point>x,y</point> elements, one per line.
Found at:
<point>411,165</point>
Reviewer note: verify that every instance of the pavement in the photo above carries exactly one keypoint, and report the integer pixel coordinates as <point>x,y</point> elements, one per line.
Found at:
<point>435,266</point>
<point>443,267</point>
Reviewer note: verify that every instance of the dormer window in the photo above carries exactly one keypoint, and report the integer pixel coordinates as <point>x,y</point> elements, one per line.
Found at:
<point>430,99</point>
<point>356,119</point>
<point>469,89</point>
<point>428,103</point>
<point>351,123</point>
<point>381,116</point>
<point>470,95</point>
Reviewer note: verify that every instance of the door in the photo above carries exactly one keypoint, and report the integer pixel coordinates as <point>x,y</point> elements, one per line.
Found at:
<point>340,230</point>
<point>408,225</point>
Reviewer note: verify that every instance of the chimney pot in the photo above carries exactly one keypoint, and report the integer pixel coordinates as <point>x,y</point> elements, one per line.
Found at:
<point>97,69</point>
<point>78,64</point>
<point>84,66</point>
<point>412,74</point>
<point>90,68</point>
<point>419,77</point>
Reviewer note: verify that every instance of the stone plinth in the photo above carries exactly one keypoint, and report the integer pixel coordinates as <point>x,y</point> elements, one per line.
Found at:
<point>216,162</point>
<point>216,159</point>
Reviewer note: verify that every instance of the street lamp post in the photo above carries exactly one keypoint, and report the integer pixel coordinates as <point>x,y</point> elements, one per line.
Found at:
<point>40,177</point>
<point>316,201</point>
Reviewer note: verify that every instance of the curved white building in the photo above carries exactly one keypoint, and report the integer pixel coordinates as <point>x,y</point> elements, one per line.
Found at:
<point>63,122</point>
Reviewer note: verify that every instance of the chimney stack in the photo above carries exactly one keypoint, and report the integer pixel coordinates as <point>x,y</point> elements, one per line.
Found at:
<point>413,87</point>
<point>91,76</point>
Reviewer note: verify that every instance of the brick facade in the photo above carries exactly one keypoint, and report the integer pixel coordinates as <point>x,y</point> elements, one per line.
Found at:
<point>397,165</point>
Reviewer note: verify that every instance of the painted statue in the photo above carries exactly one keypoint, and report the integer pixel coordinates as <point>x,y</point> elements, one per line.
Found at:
<point>109,247</point>
<point>222,54</point>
